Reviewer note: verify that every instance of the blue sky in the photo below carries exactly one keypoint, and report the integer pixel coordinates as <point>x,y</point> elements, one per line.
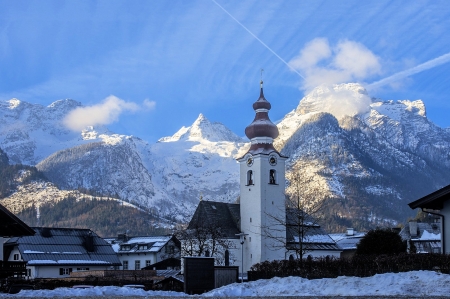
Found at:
<point>161,63</point>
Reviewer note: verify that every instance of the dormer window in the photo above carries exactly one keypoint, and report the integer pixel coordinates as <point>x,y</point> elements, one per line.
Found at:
<point>273,177</point>
<point>249,177</point>
<point>125,247</point>
<point>142,247</point>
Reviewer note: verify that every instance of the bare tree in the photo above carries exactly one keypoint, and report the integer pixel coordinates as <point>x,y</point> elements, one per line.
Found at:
<point>204,240</point>
<point>303,211</point>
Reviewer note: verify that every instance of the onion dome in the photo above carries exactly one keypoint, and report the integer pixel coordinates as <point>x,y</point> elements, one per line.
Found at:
<point>262,127</point>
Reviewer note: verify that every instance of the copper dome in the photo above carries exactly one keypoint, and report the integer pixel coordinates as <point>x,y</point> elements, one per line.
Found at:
<point>261,126</point>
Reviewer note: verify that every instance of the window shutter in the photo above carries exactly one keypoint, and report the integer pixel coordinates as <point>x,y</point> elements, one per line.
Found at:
<point>61,271</point>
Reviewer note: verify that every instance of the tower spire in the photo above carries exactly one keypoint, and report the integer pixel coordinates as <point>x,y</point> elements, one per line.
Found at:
<point>261,131</point>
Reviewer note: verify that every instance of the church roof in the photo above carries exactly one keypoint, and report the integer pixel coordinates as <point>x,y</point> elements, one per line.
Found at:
<point>226,215</point>
<point>212,213</point>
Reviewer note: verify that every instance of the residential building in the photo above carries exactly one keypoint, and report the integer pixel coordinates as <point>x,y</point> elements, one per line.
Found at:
<point>348,241</point>
<point>438,203</point>
<point>56,252</point>
<point>422,237</point>
<point>136,253</point>
<point>11,226</point>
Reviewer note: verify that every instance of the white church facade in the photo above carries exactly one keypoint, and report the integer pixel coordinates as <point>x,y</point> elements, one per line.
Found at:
<point>260,215</point>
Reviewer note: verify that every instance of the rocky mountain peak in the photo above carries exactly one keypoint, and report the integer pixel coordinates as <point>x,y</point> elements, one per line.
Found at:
<point>204,130</point>
<point>338,99</point>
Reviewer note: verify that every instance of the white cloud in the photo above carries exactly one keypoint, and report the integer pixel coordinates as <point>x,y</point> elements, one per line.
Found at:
<point>101,114</point>
<point>348,61</point>
<point>150,105</point>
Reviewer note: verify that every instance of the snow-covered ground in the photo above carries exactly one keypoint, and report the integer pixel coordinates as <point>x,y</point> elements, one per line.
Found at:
<point>414,283</point>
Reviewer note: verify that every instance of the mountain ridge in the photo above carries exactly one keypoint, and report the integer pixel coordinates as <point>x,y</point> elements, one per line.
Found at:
<point>358,159</point>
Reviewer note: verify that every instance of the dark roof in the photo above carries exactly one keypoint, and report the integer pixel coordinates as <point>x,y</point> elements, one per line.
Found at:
<point>433,201</point>
<point>313,235</point>
<point>217,214</point>
<point>11,225</point>
<point>164,264</point>
<point>226,215</point>
<point>64,246</point>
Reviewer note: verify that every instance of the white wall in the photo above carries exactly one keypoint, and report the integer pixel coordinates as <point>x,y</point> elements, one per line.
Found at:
<point>53,271</point>
<point>445,228</point>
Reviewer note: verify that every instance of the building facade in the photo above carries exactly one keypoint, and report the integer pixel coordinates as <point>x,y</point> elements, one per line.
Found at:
<point>136,253</point>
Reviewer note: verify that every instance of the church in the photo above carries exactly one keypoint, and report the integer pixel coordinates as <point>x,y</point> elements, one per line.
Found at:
<point>257,228</point>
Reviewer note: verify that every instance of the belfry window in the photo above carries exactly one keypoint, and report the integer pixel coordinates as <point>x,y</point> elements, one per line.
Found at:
<point>273,177</point>
<point>249,177</point>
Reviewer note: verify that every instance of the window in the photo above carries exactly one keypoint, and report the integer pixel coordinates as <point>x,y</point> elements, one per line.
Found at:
<point>143,247</point>
<point>137,265</point>
<point>249,177</point>
<point>65,271</point>
<point>125,247</point>
<point>125,265</point>
<point>16,256</point>
<point>273,177</point>
<point>28,272</point>
<point>148,263</point>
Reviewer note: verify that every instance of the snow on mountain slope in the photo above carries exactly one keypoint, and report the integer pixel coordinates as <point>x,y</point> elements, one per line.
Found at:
<point>366,157</point>
<point>370,161</point>
<point>30,133</point>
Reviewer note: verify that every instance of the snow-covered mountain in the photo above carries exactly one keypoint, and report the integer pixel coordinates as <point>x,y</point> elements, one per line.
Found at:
<point>366,157</point>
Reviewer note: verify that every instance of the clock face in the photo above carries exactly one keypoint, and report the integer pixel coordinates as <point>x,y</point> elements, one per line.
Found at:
<point>249,161</point>
<point>273,160</point>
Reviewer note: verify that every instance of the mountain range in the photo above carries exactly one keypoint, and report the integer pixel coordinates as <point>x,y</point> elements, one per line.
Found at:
<point>364,157</point>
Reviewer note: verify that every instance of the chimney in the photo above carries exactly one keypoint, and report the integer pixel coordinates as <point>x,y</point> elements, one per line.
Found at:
<point>89,242</point>
<point>350,231</point>
<point>413,228</point>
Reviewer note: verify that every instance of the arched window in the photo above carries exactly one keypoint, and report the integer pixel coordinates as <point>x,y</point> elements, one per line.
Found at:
<point>273,177</point>
<point>249,177</point>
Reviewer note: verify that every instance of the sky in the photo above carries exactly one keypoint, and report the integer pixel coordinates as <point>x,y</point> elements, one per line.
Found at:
<point>147,68</point>
<point>405,284</point>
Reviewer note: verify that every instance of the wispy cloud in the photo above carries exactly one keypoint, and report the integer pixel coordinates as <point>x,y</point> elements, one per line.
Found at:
<point>104,113</point>
<point>348,61</point>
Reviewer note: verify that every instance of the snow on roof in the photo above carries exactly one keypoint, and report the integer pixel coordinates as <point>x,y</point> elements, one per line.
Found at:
<point>67,262</point>
<point>427,236</point>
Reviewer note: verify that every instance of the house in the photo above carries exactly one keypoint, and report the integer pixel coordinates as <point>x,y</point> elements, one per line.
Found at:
<point>438,203</point>
<point>348,241</point>
<point>56,252</point>
<point>422,237</point>
<point>260,228</point>
<point>11,226</point>
<point>136,253</point>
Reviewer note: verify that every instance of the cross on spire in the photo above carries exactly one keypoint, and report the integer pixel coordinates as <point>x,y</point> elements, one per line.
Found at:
<point>261,82</point>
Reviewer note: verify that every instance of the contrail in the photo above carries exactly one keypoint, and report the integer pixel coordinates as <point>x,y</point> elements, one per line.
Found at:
<point>417,69</point>
<point>262,43</point>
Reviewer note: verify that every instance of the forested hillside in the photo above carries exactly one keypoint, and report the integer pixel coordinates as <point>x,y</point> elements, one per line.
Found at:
<point>12,175</point>
<point>105,217</point>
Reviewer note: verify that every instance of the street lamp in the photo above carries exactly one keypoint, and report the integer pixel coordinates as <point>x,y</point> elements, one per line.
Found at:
<point>242,240</point>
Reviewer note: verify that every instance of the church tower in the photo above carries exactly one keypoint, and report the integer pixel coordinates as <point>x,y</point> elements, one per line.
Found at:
<point>262,187</point>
